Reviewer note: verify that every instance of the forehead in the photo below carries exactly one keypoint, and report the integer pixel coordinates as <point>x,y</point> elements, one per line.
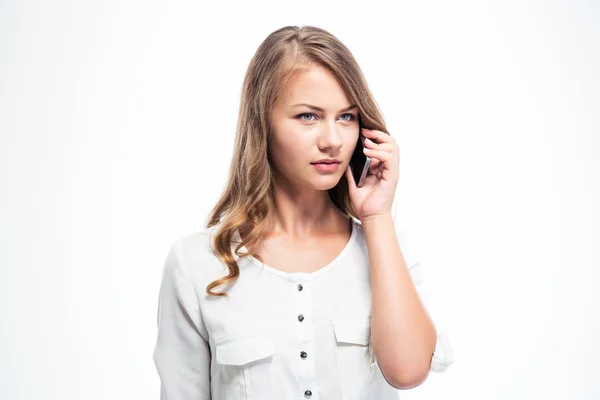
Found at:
<point>316,86</point>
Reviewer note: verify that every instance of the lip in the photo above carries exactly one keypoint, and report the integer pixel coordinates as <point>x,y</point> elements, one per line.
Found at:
<point>326,167</point>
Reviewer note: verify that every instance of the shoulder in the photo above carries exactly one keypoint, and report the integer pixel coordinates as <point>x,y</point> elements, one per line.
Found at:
<point>194,254</point>
<point>194,244</point>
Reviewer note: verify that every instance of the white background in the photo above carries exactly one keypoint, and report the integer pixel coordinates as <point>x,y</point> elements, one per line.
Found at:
<point>117,121</point>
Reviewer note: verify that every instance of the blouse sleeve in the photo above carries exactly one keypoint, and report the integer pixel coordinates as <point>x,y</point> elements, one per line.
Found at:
<point>443,355</point>
<point>182,355</point>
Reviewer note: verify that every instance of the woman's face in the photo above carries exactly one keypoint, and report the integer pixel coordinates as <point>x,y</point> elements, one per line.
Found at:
<point>302,135</point>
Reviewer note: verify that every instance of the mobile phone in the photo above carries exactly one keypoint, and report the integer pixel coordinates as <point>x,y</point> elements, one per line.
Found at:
<point>360,163</point>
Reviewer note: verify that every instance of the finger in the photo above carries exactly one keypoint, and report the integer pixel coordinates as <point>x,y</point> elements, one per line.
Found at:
<point>381,155</point>
<point>375,164</point>
<point>389,163</point>
<point>378,136</point>
<point>379,146</point>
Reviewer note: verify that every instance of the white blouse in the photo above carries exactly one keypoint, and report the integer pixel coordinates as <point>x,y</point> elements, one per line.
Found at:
<point>279,335</point>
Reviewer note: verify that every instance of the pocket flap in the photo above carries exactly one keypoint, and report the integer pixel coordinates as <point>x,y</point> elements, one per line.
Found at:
<point>244,350</point>
<point>353,331</point>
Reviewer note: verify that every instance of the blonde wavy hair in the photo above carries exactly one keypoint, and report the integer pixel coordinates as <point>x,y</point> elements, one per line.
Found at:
<point>247,199</point>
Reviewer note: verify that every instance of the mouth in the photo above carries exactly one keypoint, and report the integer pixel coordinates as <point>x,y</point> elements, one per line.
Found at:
<point>326,166</point>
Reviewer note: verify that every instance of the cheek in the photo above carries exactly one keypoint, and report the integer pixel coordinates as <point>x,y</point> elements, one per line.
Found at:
<point>349,145</point>
<point>287,154</point>
<point>294,145</point>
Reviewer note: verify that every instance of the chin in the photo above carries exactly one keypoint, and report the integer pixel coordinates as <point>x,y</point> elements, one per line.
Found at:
<point>327,182</point>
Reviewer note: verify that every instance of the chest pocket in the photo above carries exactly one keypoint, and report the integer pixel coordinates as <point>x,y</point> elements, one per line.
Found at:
<point>242,361</point>
<point>355,356</point>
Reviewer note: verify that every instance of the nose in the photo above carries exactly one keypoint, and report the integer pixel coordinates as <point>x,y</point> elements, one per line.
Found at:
<point>330,137</point>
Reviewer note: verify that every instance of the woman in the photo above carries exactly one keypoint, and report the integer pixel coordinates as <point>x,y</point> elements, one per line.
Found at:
<point>321,296</point>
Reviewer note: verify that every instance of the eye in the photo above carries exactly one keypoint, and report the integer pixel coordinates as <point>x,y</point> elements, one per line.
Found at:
<point>300,116</point>
<point>351,117</point>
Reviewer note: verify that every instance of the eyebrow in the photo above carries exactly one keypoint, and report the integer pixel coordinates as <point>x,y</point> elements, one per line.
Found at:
<point>320,109</point>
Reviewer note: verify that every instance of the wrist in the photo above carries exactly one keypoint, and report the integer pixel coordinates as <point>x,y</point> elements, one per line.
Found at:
<point>376,218</point>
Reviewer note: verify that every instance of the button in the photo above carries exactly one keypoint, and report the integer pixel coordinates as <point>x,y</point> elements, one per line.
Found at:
<point>300,287</point>
<point>300,317</point>
<point>303,355</point>
<point>308,394</point>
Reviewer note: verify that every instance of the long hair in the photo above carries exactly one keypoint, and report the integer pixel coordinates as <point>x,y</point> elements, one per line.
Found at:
<point>247,199</point>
